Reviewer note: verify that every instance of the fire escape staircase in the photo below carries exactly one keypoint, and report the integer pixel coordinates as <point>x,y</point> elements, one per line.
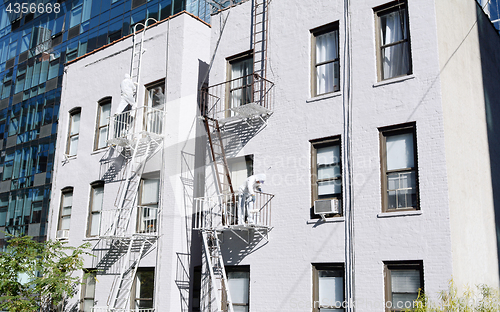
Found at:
<point>215,215</point>
<point>137,145</point>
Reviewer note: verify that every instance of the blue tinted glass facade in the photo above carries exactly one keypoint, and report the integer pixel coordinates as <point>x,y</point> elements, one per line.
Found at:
<point>33,50</point>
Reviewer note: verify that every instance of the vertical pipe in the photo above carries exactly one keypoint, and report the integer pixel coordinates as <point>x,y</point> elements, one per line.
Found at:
<point>347,170</point>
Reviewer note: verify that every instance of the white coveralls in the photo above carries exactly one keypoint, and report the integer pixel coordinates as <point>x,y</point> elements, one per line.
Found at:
<point>127,95</point>
<point>247,197</point>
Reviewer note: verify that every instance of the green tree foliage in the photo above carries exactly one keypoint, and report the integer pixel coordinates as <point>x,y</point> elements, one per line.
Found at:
<point>480,299</point>
<point>37,276</point>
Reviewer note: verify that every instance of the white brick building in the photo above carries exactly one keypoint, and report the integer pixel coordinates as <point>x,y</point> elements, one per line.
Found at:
<point>398,131</point>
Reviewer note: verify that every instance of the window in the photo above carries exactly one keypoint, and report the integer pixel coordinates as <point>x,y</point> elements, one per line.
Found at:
<point>240,168</point>
<point>399,168</point>
<point>74,132</point>
<point>148,205</point>
<point>328,287</point>
<point>102,125</point>
<point>402,283</point>
<point>238,280</point>
<point>155,105</point>
<point>326,174</point>
<point>393,40</point>
<point>66,205</point>
<point>144,285</point>
<point>96,201</point>
<point>326,63</point>
<point>240,76</point>
<point>88,291</point>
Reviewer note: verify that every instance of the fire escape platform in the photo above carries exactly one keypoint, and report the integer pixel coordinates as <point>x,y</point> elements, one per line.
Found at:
<point>245,112</point>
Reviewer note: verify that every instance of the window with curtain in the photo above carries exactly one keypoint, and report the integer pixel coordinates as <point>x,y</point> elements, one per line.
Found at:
<point>155,105</point>
<point>399,165</point>
<point>66,206</point>
<point>74,132</point>
<point>238,279</point>
<point>148,205</point>
<point>328,287</point>
<point>326,170</point>
<point>88,291</point>
<point>402,284</point>
<point>142,294</point>
<point>102,124</point>
<point>326,62</point>
<point>240,72</point>
<point>394,44</point>
<point>96,202</point>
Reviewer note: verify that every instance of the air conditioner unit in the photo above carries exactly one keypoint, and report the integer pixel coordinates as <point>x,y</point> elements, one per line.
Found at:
<point>62,234</point>
<point>327,206</point>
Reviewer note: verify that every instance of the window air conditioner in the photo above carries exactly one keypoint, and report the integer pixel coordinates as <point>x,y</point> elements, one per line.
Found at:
<point>327,206</point>
<point>62,234</point>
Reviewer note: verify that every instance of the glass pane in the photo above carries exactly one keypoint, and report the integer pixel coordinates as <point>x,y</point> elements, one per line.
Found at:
<point>326,47</point>
<point>103,136</point>
<point>97,198</point>
<point>328,155</point>
<point>328,172</point>
<point>66,211</point>
<point>144,289</point>
<point>149,191</point>
<point>325,78</point>
<point>68,199</point>
<point>238,286</point>
<point>157,97</point>
<point>87,305</point>
<point>240,309</point>
<point>402,191</point>
<point>90,286</point>
<point>73,145</point>
<point>399,149</point>
<point>105,112</point>
<point>76,15</point>
<point>95,222</point>
<point>331,288</point>
<point>395,60</point>
<point>405,280</point>
<point>65,223</point>
<point>329,187</point>
<point>75,123</point>
<point>393,26</point>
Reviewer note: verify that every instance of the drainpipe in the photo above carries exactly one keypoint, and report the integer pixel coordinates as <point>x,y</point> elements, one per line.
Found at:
<point>347,163</point>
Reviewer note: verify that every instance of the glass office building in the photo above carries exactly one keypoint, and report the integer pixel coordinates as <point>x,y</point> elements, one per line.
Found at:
<point>36,40</point>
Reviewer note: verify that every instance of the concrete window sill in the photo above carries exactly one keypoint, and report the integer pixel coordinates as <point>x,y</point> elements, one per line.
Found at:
<point>399,214</point>
<point>324,97</point>
<point>328,220</point>
<point>393,80</point>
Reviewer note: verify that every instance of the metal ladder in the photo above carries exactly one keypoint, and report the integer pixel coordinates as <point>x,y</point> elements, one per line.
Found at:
<point>219,156</point>
<point>217,270</point>
<point>259,44</point>
<point>137,51</point>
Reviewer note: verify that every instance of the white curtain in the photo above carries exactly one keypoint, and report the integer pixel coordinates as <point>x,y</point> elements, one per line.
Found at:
<point>238,286</point>
<point>149,192</point>
<point>327,75</point>
<point>326,157</point>
<point>396,59</point>
<point>399,149</point>
<point>405,285</point>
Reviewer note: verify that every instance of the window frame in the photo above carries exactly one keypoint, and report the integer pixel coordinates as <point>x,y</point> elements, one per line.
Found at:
<point>93,187</point>
<point>91,273</point>
<point>379,12</point>
<point>75,111</point>
<point>383,134</point>
<point>141,226</point>
<point>320,143</point>
<point>101,103</point>
<point>331,27</point>
<point>239,58</point>
<point>316,268</point>
<point>133,293</point>
<point>390,266</point>
<point>65,191</point>
<point>240,269</point>
<point>151,120</point>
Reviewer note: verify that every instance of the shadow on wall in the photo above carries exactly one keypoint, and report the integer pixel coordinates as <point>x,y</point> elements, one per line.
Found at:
<point>490,54</point>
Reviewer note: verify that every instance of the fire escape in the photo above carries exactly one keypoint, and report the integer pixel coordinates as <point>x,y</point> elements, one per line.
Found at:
<point>129,231</point>
<point>245,100</point>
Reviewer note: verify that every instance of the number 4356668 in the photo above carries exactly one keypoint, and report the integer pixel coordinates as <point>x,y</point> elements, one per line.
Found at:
<point>33,8</point>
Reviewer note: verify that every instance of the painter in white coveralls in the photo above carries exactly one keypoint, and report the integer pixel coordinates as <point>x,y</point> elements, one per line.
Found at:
<point>247,198</point>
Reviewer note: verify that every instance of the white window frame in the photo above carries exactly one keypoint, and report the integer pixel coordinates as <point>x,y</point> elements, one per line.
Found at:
<point>102,123</point>
<point>95,208</point>
<point>330,29</point>
<point>73,134</point>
